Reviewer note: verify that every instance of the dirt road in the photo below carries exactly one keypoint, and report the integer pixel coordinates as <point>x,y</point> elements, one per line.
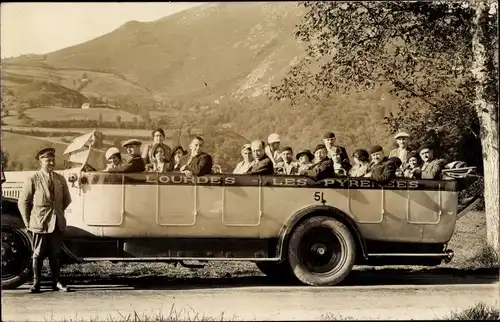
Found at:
<point>249,298</point>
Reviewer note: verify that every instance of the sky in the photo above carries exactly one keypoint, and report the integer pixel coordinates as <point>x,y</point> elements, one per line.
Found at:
<point>39,28</point>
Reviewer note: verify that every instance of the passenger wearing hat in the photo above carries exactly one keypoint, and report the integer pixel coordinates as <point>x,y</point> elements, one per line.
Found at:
<point>361,160</point>
<point>305,158</point>
<point>382,169</point>
<point>412,168</point>
<point>135,163</point>
<point>431,167</point>
<point>42,202</point>
<point>114,158</point>
<point>243,166</point>
<point>329,140</point>
<point>272,149</point>
<point>402,150</point>
<point>261,164</point>
<point>158,136</point>
<point>178,154</point>
<point>323,167</point>
<point>199,162</point>
<point>287,166</point>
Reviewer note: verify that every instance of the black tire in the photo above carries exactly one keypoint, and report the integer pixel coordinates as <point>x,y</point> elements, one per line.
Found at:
<point>279,272</point>
<point>321,251</point>
<point>17,254</point>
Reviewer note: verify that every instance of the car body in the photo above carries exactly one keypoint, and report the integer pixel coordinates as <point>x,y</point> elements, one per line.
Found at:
<point>265,219</point>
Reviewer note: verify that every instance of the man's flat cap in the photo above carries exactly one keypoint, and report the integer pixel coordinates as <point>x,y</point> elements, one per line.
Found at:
<point>131,142</point>
<point>45,152</point>
<point>401,135</point>
<point>375,149</point>
<point>328,135</point>
<point>425,147</point>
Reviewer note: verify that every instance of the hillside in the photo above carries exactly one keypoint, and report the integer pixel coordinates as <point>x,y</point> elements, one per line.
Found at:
<point>233,47</point>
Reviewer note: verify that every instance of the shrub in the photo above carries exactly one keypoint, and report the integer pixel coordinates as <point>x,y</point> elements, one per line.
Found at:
<point>479,311</point>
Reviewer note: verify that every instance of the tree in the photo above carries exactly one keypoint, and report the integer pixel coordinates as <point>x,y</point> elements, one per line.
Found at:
<point>438,58</point>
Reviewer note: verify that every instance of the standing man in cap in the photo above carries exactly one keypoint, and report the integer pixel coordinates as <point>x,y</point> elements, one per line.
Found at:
<point>272,150</point>
<point>323,167</point>
<point>402,150</point>
<point>329,140</point>
<point>199,162</point>
<point>42,202</point>
<point>431,168</point>
<point>135,163</point>
<point>287,166</point>
<point>261,164</point>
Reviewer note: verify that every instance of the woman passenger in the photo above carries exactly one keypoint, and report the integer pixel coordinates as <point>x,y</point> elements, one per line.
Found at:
<point>339,168</point>
<point>304,158</point>
<point>361,163</point>
<point>159,160</point>
<point>412,168</point>
<point>177,155</point>
<point>243,166</point>
<point>114,158</point>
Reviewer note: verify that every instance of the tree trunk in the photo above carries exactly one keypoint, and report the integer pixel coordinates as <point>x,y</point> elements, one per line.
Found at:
<point>483,45</point>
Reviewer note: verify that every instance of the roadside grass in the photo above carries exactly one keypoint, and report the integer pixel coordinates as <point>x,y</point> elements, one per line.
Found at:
<point>479,311</point>
<point>186,314</point>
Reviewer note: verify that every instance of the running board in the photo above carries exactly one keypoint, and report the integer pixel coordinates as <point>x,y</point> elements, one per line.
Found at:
<point>169,259</point>
<point>447,256</point>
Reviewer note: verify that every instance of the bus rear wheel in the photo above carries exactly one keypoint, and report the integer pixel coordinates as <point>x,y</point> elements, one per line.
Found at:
<point>321,251</point>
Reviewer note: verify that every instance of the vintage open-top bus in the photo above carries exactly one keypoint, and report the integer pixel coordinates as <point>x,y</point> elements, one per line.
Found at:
<point>290,226</point>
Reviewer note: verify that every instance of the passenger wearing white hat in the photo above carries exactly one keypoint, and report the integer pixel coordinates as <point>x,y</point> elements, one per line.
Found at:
<point>272,149</point>
<point>114,158</point>
<point>402,150</point>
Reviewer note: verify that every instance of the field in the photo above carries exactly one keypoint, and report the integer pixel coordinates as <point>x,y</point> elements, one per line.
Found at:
<point>21,149</point>
<point>62,114</point>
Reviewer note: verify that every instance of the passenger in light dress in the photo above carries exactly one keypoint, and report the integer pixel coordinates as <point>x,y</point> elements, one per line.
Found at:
<point>243,166</point>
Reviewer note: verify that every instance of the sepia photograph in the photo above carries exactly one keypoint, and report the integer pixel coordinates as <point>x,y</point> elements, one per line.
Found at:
<point>250,161</point>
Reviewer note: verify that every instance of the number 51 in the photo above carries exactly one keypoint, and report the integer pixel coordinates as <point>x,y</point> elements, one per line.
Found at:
<point>318,196</point>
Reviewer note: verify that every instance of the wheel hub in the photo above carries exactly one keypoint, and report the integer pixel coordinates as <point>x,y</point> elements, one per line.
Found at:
<point>319,249</point>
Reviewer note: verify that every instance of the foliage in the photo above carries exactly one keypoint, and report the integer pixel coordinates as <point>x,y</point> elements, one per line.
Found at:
<point>420,50</point>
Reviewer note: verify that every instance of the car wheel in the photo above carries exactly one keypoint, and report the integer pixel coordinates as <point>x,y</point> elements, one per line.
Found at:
<point>321,251</point>
<point>16,257</point>
<point>279,272</point>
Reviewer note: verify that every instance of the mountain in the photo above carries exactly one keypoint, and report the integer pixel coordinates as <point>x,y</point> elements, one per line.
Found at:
<point>235,48</point>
